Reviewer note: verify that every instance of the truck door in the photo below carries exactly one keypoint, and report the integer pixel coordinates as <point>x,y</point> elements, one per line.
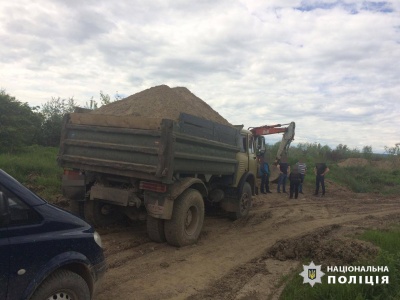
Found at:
<point>253,164</point>
<point>4,251</point>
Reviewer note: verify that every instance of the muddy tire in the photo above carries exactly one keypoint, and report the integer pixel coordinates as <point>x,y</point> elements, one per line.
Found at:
<point>100,214</point>
<point>62,284</point>
<point>155,229</point>
<point>243,204</point>
<point>187,219</point>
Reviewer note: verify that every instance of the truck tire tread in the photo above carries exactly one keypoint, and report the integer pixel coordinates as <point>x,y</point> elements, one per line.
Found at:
<point>155,229</point>
<point>188,207</point>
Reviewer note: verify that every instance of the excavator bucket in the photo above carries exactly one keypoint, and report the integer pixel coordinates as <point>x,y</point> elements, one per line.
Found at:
<point>282,153</point>
<point>287,138</point>
<point>274,176</point>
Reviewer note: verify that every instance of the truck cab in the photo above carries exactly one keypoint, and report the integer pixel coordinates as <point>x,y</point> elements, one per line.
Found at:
<point>247,157</point>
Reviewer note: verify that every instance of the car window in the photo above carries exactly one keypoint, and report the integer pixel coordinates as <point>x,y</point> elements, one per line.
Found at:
<point>19,213</point>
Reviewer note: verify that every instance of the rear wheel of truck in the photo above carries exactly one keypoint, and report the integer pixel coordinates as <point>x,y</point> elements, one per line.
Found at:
<point>155,229</point>
<point>187,219</point>
<point>99,213</point>
<point>243,204</point>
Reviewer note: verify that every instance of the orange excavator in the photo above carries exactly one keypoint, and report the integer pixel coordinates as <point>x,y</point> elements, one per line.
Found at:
<point>288,131</point>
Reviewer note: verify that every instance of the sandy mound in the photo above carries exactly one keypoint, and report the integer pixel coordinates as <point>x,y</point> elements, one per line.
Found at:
<point>162,102</point>
<point>354,162</point>
<point>385,164</point>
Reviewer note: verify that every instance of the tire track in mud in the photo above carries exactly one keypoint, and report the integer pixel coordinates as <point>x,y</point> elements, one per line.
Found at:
<point>259,278</point>
<point>141,269</point>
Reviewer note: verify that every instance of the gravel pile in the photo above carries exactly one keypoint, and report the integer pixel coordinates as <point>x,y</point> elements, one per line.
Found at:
<point>162,102</point>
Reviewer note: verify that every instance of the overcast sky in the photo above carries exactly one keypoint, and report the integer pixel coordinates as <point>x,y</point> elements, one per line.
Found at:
<point>333,67</point>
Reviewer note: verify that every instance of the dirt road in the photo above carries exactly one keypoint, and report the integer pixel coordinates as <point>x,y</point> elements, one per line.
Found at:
<point>233,260</point>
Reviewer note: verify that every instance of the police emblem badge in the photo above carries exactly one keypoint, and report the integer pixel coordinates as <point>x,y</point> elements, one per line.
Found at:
<point>312,274</point>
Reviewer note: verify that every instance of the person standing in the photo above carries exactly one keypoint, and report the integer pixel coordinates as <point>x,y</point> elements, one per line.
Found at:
<point>302,168</point>
<point>284,170</point>
<point>295,179</point>
<point>265,172</point>
<point>320,170</point>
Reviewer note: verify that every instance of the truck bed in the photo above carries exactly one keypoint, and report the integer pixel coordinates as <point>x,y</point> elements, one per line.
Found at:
<point>148,148</point>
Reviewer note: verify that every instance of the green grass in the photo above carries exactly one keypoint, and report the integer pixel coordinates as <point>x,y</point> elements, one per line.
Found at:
<point>389,243</point>
<point>387,240</point>
<point>36,168</point>
<point>366,179</point>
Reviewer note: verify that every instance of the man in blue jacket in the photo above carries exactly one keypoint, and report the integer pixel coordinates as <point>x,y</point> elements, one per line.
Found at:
<point>265,172</point>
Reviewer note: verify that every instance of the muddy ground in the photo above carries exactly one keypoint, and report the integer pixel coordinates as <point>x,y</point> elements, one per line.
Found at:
<point>247,258</point>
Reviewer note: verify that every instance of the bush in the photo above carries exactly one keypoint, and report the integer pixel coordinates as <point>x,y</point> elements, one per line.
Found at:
<point>36,168</point>
<point>19,124</point>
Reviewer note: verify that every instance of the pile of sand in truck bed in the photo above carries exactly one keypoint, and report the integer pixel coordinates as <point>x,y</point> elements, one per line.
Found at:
<point>162,102</point>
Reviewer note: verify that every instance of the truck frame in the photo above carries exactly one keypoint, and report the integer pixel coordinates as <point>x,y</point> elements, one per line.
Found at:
<point>161,170</point>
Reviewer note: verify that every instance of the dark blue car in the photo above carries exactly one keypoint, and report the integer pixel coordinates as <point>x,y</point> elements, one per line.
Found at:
<point>45,252</point>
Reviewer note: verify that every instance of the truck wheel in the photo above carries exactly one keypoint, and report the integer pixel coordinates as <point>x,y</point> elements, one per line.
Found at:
<point>63,284</point>
<point>155,229</point>
<point>187,219</point>
<point>243,204</point>
<point>99,213</point>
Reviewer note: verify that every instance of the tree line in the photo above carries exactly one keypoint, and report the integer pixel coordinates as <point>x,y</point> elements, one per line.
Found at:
<point>22,125</point>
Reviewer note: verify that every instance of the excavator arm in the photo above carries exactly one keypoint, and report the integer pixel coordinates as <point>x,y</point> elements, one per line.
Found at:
<point>287,138</point>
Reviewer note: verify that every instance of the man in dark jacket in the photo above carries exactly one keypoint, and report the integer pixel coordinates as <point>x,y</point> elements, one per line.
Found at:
<point>320,170</point>
<point>284,170</point>
<point>295,180</point>
<point>265,172</point>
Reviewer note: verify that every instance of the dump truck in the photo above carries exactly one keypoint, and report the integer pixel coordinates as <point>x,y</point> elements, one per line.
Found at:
<point>162,170</point>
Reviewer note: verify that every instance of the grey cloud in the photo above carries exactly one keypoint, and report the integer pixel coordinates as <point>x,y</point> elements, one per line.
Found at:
<point>330,71</point>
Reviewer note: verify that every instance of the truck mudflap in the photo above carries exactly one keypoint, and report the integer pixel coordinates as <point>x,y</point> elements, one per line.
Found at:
<point>73,186</point>
<point>160,205</point>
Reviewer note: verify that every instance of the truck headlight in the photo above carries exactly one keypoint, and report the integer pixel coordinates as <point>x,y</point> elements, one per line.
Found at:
<point>97,239</point>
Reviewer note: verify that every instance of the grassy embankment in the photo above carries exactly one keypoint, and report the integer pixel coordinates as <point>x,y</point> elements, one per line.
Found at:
<point>362,179</point>
<point>36,168</point>
<point>367,179</point>
<point>389,256</point>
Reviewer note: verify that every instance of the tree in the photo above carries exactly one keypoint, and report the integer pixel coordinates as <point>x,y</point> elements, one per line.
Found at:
<point>92,104</point>
<point>367,151</point>
<point>53,112</point>
<point>19,123</point>
<point>393,150</point>
<point>104,100</point>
